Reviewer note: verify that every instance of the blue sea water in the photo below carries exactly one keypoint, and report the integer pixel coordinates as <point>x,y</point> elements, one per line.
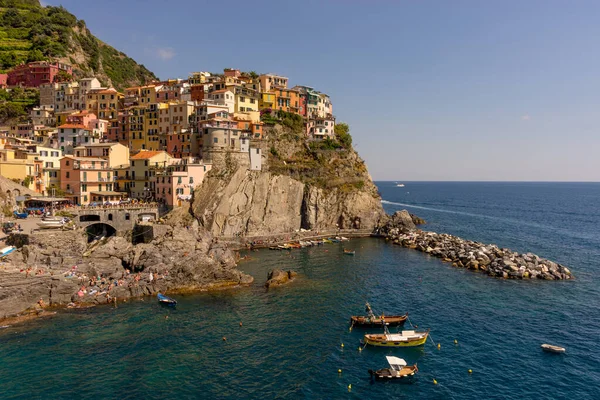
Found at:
<point>289,345</point>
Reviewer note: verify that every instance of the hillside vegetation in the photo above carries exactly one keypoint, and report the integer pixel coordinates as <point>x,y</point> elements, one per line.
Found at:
<point>30,32</point>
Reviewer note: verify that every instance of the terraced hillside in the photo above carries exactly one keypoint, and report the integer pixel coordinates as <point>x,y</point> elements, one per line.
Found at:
<point>30,32</point>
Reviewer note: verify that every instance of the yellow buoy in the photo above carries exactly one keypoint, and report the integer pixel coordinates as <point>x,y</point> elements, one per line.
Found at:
<point>342,344</point>
<point>339,371</point>
<point>439,346</point>
<point>434,382</point>
<point>470,371</point>
<point>350,330</point>
<point>455,341</point>
<point>349,387</point>
<point>359,348</point>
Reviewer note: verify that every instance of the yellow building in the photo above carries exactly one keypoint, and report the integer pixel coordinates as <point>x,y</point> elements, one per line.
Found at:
<point>142,170</point>
<point>151,138</point>
<point>267,100</point>
<point>245,99</point>
<point>137,140</point>
<point>21,165</point>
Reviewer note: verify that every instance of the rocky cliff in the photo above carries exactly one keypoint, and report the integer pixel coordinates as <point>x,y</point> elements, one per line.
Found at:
<point>311,186</point>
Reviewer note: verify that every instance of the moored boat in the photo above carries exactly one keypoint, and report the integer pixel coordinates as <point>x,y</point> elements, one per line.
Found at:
<point>162,299</point>
<point>410,338</point>
<point>398,370</point>
<point>349,252</point>
<point>553,349</point>
<point>371,320</point>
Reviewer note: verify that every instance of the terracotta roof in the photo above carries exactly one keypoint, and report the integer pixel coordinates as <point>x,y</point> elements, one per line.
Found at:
<point>74,126</point>
<point>143,155</point>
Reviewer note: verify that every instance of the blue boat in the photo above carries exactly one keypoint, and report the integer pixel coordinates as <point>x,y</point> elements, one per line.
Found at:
<point>162,299</point>
<point>20,215</point>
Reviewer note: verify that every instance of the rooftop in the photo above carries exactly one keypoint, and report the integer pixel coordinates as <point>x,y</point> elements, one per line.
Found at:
<point>144,155</point>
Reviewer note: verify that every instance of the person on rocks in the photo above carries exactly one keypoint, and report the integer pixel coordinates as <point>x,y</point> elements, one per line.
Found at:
<point>41,303</point>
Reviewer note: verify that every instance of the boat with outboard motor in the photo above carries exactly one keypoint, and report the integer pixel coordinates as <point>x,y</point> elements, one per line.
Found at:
<point>371,320</point>
<point>398,370</point>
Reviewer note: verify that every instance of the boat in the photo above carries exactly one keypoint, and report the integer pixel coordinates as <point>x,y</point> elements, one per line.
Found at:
<point>343,239</point>
<point>553,349</point>
<point>349,252</point>
<point>371,320</point>
<point>7,250</point>
<point>19,215</point>
<point>52,223</point>
<point>410,338</point>
<point>400,185</point>
<point>162,299</point>
<point>397,370</point>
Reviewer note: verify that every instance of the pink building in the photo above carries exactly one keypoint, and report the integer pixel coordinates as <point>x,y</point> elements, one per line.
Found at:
<point>36,73</point>
<point>87,179</point>
<point>3,80</point>
<point>177,182</point>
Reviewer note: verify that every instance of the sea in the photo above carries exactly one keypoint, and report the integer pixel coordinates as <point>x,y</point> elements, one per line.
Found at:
<point>295,342</point>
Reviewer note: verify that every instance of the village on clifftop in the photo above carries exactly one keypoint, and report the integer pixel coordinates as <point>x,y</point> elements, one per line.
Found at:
<point>95,145</point>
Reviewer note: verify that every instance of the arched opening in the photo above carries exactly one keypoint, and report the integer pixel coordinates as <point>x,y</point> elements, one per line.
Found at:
<point>89,218</point>
<point>110,217</point>
<point>98,231</point>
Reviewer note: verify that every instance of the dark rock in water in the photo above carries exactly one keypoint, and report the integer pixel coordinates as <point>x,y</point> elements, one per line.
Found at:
<point>278,277</point>
<point>399,222</point>
<point>417,220</point>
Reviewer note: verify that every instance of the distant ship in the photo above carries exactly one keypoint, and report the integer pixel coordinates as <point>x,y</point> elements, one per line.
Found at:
<point>400,185</point>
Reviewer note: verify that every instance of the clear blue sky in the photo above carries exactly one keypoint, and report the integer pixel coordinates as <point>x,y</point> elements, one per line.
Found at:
<point>432,90</point>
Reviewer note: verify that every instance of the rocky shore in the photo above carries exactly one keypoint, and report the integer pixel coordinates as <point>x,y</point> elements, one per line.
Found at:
<point>61,269</point>
<point>476,256</point>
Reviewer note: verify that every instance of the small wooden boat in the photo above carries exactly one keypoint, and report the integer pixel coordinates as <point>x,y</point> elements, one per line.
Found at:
<point>371,320</point>
<point>403,339</point>
<point>162,299</point>
<point>397,370</point>
<point>349,252</point>
<point>553,349</point>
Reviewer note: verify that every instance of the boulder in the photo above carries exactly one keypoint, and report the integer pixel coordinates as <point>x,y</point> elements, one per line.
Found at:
<point>277,277</point>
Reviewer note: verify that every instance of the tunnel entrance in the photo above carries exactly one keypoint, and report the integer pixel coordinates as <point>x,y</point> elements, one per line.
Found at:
<point>97,231</point>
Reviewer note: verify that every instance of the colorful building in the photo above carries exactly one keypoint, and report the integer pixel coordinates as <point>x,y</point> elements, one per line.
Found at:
<point>142,168</point>
<point>36,73</point>
<point>87,179</point>
<point>176,183</point>
<point>271,81</point>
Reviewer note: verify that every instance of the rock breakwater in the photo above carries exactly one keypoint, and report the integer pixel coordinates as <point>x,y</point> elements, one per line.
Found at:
<point>477,256</point>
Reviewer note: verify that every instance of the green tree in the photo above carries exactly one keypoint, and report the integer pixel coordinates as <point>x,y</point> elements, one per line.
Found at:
<point>342,132</point>
<point>35,55</point>
<point>12,18</point>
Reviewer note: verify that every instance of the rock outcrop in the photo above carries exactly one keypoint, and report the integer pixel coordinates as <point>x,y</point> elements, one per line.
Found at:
<point>477,256</point>
<point>278,277</point>
<point>61,267</point>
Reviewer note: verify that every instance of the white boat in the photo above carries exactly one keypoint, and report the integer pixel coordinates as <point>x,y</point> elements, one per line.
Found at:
<point>7,250</point>
<point>400,185</point>
<point>553,349</point>
<point>52,223</point>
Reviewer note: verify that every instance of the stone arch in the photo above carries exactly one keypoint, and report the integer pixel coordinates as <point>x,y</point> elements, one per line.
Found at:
<point>16,192</point>
<point>89,218</point>
<point>99,230</point>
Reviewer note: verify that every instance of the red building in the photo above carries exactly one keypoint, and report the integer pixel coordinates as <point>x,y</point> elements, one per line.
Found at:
<point>36,73</point>
<point>3,80</point>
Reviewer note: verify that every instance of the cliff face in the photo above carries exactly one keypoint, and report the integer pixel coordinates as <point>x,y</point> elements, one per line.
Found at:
<point>301,186</point>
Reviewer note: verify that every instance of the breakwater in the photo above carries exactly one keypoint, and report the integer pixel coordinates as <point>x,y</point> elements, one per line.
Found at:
<point>477,256</point>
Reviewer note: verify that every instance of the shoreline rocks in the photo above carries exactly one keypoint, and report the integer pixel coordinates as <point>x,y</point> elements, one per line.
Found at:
<point>277,277</point>
<point>477,256</point>
<point>60,267</point>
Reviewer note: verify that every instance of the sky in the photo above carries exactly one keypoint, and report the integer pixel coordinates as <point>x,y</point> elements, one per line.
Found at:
<point>432,90</point>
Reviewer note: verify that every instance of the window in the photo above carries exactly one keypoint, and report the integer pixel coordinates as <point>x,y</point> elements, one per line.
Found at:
<point>146,163</point>
<point>191,180</point>
<point>127,217</point>
<point>179,181</point>
<point>62,139</point>
<point>67,174</point>
<point>85,176</point>
<point>84,188</point>
<point>216,140</point>
<point>99,176</point>
<point>68,187</point>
